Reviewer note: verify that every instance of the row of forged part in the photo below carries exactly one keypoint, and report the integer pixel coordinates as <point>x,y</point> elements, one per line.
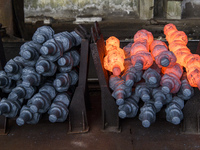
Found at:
<point>146,70</point>
<point>42,79</point>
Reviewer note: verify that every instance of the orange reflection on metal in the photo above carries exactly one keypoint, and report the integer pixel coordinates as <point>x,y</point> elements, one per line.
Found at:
<point>114,59</point>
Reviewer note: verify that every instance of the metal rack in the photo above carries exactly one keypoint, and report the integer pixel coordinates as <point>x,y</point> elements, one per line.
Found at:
<point>110,117</point>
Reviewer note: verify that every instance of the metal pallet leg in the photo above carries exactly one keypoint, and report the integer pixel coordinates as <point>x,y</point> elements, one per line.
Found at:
<point>3,120</point>
<point>109,108</point>
<point>78,122</point>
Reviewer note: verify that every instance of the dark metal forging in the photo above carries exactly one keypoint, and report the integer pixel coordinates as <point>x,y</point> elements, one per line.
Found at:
<point>30,52</point>
<point>27,116</point>
<point>174,112</point>
<point>147,114</point>
<point>41,101</point>
<point>58,111</point>
<point>43,34</point>
<point>45,67</point>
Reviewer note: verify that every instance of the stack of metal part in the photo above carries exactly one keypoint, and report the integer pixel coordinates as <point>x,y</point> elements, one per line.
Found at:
<point>39,80</point>
<point>153,89</point>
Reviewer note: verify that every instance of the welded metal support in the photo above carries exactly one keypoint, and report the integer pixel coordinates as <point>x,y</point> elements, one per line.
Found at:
<point>191,113</point>
<point>109,108</point>
<point>78,122</point>
<point>3,120</point>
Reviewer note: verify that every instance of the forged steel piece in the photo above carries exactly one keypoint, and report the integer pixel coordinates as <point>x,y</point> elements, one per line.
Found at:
<point>68,61</point>
<point>14,67</point>
<point>64,80</point>
<point>127,50</point>
<point>152,76</point>
<point>186,91</point>
<point>174,112</point>
<point>30,77</point>
<point>170,83</point>
<point>54,48</point>
<point>130,107</point>
<point>41,101</point>
<point>30,52</point>
<point>147,114</point>
<point>43,34</point>
<point>27,116</point>
<point>120,90</point>
<point>45,67</point>
<point>131,75</point>
<point>159,98</point>
<point>143,91</point>
<point>58,111</point>
<point>10,108</point>
<point>68,39</point>
<point>21,91</point>
<point>6,84</point>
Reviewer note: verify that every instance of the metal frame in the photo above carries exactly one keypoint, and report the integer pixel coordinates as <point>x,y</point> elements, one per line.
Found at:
<point>3,120</point>
<point>110,117</point>
<point>78,122</point>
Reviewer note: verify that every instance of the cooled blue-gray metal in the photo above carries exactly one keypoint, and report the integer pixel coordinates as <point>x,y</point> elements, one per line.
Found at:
<point>26,116</point>
<point>185,91</point>
<point>147,114</point>
<point>10,108</point>
<point>143,91</point>
<point>152,77</point>
<point>131,75</point>
<point>68,61</point>
<point>127,49</point>
<point>6,84</point>
<point>41,101</point>
<point>58,111</point>
<point>21,91</point>
<point>43,34</point>
<point>45,67</point>
<point>14,67</point>
<point>67,40</point>
<point>30,52</point>
<point>54,48</point>
<point>48,88</point>
<point>73,38</point>
<point>30,77</point>
<point>64,80</point>
<point>120,90</point>
<point>174,112</point>
<point>77,38</point>
<point>130,107</point>
<point>159,98</point>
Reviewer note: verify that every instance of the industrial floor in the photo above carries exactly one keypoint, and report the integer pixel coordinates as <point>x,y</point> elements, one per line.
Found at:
<point>160,136</point>
<point>48,136</point>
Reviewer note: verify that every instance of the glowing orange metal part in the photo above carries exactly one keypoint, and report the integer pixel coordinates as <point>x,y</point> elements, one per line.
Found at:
<point>177,70</point>
<point>114,59</point>
<point>140,56</point>
<point>177,43</point>
<point>161,55</point>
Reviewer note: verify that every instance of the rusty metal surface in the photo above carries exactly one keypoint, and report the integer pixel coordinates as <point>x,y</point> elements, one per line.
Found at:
<point>109,110</point>
<point>3,120</point>
<point>78,122</point>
